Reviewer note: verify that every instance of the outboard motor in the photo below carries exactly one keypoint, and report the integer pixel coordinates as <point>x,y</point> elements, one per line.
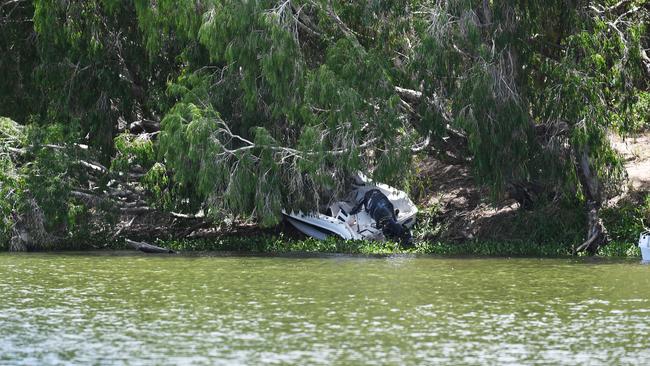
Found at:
<point>379,207</point>
<point>397,232</point>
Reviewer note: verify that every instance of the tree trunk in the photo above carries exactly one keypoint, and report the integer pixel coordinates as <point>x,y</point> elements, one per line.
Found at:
<point>596,231</point>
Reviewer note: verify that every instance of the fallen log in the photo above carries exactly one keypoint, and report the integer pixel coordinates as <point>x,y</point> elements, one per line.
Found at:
<point>148,248</point>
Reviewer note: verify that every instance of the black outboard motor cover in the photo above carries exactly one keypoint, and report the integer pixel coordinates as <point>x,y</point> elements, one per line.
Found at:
<point>379,207</point>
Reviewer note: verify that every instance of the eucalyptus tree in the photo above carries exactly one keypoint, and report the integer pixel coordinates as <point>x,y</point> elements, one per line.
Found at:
<point>18,58</point>
<point>244,108</point>
<point>95,74</point>
<point>536,87</point>
<point>292,103</point>
<point>300,94</point>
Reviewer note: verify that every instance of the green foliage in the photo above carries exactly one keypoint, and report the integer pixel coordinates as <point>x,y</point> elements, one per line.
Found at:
<point>132,151</point>
<point>284,126</point>
<point>40,164</point>
<point>12,185</point>
<point>281,244</point>
<point>163,21</point>
<point>156,181</point>
<point>494,248</point>
<point>9,191</point>
<point>625,221</point>
<point>18,60</point>
<point>189,150</point>
<point>428,224</point>
<point>266,105</point>
<point>534,64</point>
<point>641,113</point>
<point>49,177</point>
<point>94,69</point>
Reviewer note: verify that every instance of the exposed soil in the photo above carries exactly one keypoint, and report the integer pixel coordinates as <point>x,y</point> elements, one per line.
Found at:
<point>636,156</point>
<point>456,201</point>
<point>464,210</point>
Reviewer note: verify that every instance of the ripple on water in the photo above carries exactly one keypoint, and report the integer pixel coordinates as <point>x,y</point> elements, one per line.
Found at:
<point>58,309</point>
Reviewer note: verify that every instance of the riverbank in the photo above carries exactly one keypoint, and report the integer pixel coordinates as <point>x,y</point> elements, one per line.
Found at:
<point>441,229</point>
<point>470,248</point>
<point>457,217</point>
<point>269,243</point>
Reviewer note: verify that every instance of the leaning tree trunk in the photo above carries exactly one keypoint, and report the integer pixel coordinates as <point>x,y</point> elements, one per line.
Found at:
<point>596,231</point>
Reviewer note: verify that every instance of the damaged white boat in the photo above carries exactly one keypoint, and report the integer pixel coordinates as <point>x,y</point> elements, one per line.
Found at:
<point>360,226</point>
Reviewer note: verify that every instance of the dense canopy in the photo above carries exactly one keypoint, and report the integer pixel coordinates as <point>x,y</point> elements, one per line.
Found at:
<point>238,109</point>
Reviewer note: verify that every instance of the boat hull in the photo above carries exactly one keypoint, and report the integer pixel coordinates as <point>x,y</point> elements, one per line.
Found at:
<point>319,227</point>
<point>340,223</point>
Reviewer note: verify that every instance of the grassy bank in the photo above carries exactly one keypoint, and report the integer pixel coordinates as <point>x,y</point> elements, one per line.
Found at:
<point>282,244</point>
<point>625,221</point>
<point>546,232</point>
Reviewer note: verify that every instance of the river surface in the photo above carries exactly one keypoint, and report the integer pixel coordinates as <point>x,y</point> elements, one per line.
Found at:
<point>135,309</point>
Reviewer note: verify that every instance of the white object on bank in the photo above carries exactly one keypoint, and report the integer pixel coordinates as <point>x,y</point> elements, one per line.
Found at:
<point>644,245</point>
<point>339,222</point>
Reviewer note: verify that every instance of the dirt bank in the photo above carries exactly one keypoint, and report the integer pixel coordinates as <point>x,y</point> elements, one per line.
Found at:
<point>635,152</point>
<point>456,208</point>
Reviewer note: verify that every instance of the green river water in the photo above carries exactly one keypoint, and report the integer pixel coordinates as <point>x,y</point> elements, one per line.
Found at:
<point>114,308</point>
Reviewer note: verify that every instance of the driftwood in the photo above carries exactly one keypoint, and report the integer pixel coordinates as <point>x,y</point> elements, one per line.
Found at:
<point>148,248</point>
